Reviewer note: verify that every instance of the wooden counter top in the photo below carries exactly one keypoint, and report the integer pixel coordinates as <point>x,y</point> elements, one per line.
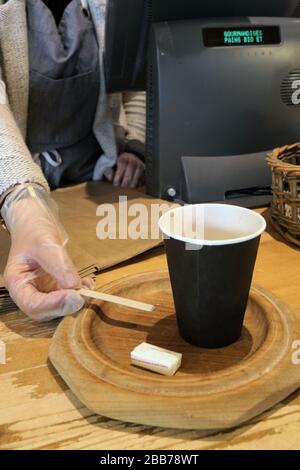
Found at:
<point>37,411</point>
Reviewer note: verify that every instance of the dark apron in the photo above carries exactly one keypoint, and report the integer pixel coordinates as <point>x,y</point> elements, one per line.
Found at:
<point>63,93</point>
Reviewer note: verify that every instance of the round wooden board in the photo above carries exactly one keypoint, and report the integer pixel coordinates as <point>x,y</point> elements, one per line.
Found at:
<point>214,389</point>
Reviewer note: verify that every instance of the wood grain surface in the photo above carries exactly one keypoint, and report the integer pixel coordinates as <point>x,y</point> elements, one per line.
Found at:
<point>38,411</point>
<point>213,389</point>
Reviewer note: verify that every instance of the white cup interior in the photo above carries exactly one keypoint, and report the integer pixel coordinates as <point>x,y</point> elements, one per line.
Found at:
<point>212,224</point>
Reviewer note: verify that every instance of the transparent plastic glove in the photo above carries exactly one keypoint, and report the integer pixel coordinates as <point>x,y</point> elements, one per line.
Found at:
<point>39,275</point>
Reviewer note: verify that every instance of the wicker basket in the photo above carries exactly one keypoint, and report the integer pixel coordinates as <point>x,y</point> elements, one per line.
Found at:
<point>285,166</point>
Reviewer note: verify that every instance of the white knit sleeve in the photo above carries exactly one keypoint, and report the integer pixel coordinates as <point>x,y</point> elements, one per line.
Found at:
<point>16,163</point>
<point>135,111</point>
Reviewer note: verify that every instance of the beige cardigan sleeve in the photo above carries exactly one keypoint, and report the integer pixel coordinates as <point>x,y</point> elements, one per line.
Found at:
<point>134,122</point>
<point>16,163</point>
<point>135,110</point>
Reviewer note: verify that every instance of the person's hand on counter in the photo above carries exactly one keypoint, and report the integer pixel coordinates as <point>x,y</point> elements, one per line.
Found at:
<point>39,275</point>
<point>129,171</point>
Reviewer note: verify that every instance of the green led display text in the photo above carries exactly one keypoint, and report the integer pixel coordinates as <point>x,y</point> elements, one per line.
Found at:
<point>255,36</point>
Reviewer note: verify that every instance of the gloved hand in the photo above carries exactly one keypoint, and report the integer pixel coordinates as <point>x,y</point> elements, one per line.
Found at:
<point>39,275</point>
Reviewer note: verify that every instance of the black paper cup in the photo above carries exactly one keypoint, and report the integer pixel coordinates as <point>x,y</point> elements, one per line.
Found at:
<point>211,251</point>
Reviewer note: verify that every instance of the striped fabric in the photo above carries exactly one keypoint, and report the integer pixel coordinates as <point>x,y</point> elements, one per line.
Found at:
<point>119,119</point>
<point>134,106</point>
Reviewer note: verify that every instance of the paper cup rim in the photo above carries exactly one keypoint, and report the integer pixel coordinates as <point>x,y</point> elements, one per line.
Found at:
<point>199,242</point>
